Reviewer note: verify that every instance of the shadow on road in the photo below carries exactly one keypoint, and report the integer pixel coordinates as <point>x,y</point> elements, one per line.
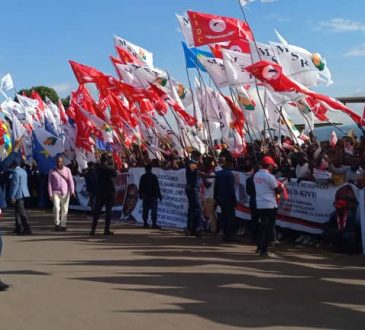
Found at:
<point>227,284</point>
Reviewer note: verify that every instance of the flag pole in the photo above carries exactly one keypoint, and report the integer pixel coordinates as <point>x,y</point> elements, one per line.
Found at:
<point>209,142</point>
<point>256,86</point>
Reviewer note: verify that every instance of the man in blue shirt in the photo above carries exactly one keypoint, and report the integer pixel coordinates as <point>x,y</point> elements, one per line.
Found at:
<point>18,191</point>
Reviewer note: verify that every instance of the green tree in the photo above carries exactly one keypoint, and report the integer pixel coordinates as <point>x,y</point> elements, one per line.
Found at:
<point>66,101</point>
<point>43,91</point>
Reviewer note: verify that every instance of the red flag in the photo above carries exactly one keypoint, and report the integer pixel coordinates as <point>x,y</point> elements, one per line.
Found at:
<point>237,112</point>
<point>83,73</point>
<point>208,29</point>
<point>116,61</point>
<point>272,74</point>
<point>127,57</point>
<point>189,119</point>
<point>62,111</point>
<point>317,108</point>
<point>158,102</point>
<point>117,161</point>
<point>35,96</point>
<point>238,45</point>
<point>119,112</point>
<point>84,131</point>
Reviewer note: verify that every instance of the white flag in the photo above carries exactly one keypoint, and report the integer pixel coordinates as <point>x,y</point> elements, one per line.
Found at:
<point>6,83</point>
<point>235,63</point>
<point>186,30</point>
<point>18,128</point>
<point>245,2</point>
<point>302,65</point>
<point>128,75</point>
<point>142,54</point>
<point>215,68</point>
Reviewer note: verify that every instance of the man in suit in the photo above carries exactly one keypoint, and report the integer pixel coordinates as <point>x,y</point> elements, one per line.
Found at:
<point>224,194</point>
<point>18,191</point>
<point>149,192</point>
<point>106,174</point>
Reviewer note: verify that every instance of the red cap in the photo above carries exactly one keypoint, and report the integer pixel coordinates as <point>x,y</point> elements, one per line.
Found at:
<point>340,204</point>
<point>267,160</point>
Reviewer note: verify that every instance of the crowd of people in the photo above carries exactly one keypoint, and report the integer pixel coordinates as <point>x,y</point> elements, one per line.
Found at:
<point>268,165</point>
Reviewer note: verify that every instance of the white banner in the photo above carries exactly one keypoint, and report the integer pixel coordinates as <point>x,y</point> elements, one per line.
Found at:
<point>309,206</point>
<point>172,211</point>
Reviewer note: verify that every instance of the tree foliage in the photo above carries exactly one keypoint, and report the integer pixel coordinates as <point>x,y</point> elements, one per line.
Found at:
<point>43,91</point>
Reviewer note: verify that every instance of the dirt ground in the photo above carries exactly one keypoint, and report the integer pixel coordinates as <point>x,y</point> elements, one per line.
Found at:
<point>161,279</point>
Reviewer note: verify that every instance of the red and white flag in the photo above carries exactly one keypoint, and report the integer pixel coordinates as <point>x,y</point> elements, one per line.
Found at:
<point>208,29</point>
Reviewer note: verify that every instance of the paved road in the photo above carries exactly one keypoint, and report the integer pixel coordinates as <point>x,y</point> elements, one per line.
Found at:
<point>147,279</point>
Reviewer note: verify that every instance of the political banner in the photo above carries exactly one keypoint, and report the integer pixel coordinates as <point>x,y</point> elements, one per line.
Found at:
<point>82,202</point>
<point>172,210</point>
<point>308,208</point>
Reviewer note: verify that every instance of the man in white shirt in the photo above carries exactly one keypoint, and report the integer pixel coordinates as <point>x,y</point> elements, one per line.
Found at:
<point>267,188</point>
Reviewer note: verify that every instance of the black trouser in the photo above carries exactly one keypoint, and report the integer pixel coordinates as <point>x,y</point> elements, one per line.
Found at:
<point>21,216</point>
<point>194,210</point>
<point>107,201</point>
<point>342,241</point>
<point>228,221</point>
<point>92,201</point>
<point>266,228</point>
<point>150,204</point>
<point>254,223</point>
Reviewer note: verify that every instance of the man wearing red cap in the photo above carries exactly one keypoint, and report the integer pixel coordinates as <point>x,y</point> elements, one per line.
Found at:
<point>266,188</point>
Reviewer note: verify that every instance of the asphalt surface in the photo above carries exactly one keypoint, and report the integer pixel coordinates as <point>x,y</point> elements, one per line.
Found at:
<point>160,279</point>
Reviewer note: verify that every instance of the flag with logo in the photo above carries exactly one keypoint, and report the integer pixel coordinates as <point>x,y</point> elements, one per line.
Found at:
<point>51,144</point>
<point>142,54</point>
<point>186,29</point>
<point>208,29</point>
<point>216,70</point>
<point>191,57</point>
<point>235,64</point>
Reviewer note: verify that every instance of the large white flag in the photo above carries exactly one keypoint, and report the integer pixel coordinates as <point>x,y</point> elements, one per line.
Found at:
<point>18,128</point>
<point>301,65</point>
<point>6,83</point>
<point>216,70</point>
<point>186,30</point>
<point>235,63</point>
<point>260,51</point>
<point>128,75</point>
<point>142,54</point>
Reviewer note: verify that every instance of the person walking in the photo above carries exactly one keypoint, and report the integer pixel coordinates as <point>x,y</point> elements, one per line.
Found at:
<point>266,187</point>
<point>60,188</point>
<point>18,191</point>
<point>3,286</point>
<point>106,173</point>
<point>149,192</point>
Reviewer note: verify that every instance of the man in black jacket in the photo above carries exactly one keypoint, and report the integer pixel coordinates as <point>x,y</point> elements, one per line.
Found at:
<point>149,192</point>
<point>105,193</point>
<point>224,194</point>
